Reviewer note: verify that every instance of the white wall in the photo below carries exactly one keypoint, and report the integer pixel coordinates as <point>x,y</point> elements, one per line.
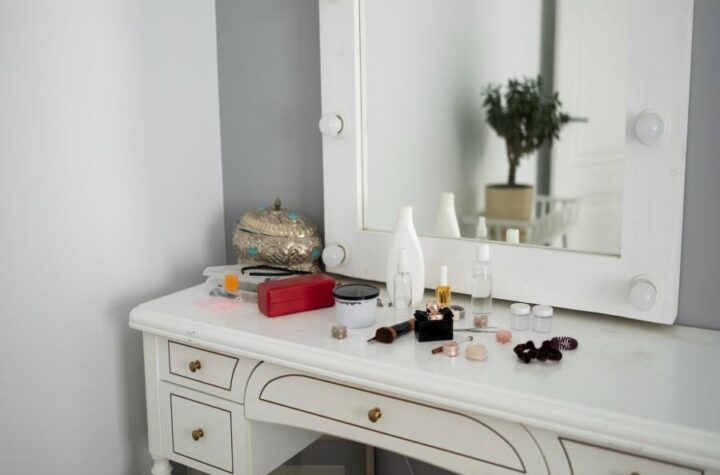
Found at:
<point>425,65</point>
<point>110,194</point>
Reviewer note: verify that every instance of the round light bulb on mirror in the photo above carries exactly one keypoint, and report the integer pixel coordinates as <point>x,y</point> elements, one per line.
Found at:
<point>330,125</point>
<point>334,255</point>
<point>650,128</point>
<point>643,293</point>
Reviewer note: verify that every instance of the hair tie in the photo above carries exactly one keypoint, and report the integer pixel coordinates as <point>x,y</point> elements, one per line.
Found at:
<point>528,352</point>
<point>565,343</point>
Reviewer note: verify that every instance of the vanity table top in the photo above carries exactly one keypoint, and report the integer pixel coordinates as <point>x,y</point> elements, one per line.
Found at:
<point>654,386</point>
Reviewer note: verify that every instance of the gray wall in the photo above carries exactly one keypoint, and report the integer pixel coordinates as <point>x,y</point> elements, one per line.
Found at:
<point>270,103</point>
<point>700,275</point>
<point>269,68</point>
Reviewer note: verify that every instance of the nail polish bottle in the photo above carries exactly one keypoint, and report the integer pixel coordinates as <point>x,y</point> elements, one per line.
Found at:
<point>442,291</point>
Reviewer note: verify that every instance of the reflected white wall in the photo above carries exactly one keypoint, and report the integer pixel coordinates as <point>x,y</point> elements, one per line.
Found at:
<point>592,74</point>
<point>425,65</point>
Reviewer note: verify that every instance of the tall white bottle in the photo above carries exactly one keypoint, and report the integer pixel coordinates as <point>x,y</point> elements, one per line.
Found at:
<point>406,237</point>
<point>446,222</point>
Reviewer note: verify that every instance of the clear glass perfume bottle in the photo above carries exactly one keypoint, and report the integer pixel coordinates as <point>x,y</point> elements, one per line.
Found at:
<point>481,296</point>
<point>402,290</point>
<point>406,237</point>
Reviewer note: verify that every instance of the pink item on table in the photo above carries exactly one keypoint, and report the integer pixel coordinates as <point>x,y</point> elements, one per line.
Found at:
<point>480,321</point>
<point>503,336</point>
<point>451,348</point>
<point>476,352</point>
<point>218,303</point>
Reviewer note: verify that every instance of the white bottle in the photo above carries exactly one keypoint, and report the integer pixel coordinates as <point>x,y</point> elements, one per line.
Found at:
<point>446,223</point>
<point>481,292</point>
<point>481,232</point>
<point>402,290</point>
<point>406,237</point>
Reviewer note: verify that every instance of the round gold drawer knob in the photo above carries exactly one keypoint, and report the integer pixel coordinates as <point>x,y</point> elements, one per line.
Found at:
<point>374,414</point>
<point>197,434</point>
<point>195,365</point>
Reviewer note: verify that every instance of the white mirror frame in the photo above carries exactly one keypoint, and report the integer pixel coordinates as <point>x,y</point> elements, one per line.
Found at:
<point>653,187</point>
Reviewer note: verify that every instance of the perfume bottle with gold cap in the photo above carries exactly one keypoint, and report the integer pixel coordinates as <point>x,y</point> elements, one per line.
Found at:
<point>442,291</point>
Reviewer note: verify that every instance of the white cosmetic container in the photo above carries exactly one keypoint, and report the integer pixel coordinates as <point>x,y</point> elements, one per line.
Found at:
<point>446,223</point>
<point>520,316</point>
<point>356,304</point>
<point>542,318</point>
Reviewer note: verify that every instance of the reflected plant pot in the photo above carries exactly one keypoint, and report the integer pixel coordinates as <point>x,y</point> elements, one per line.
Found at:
<point>507,202</point>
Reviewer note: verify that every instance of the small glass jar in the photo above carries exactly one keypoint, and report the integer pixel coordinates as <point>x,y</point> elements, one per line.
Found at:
<point>542,318</point>
<point>520,316</point>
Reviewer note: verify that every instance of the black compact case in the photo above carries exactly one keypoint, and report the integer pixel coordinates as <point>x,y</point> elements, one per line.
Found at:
<point>434,330</point>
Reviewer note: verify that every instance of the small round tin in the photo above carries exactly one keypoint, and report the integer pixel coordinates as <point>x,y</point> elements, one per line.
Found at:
<point>339,331</point>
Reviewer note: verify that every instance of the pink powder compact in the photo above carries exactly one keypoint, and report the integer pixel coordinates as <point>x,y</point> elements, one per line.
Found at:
<point>476,352</point>
<point>503,336</point>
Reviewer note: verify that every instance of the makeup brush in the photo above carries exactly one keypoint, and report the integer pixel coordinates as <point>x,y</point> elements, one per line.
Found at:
<point>389,334</point>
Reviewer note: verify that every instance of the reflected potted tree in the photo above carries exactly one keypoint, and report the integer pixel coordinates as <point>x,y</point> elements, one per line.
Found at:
<point>527,119</point>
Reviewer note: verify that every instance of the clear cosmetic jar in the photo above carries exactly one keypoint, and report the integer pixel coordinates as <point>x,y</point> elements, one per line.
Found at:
<point>355,305</point>
<point>520,316</point>
<point>542,318</point>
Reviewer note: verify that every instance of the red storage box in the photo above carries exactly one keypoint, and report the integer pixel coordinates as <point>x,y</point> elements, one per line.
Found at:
<point>297,294</point>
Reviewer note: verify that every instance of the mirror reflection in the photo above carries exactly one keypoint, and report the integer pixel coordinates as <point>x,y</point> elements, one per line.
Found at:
<point>497,119</point>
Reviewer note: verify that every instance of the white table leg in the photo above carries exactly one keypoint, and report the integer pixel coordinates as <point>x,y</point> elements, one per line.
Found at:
<point>161,466</point>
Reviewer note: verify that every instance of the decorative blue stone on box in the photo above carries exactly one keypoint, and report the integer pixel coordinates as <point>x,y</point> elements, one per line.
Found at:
<point>278,237</point>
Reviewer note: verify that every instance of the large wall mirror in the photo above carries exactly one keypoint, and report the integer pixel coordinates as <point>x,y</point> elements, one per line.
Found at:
<point>427,65</point>
<point>556,125</point>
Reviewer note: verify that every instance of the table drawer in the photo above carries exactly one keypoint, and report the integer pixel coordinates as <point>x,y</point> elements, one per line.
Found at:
<point>200,430</point>
<point>588,459</point>
<point>200,365</point>
<point>209,371</point>
<point>483,444</point>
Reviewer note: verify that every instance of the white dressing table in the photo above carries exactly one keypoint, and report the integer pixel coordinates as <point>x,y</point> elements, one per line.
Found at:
<point>231,391</point>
